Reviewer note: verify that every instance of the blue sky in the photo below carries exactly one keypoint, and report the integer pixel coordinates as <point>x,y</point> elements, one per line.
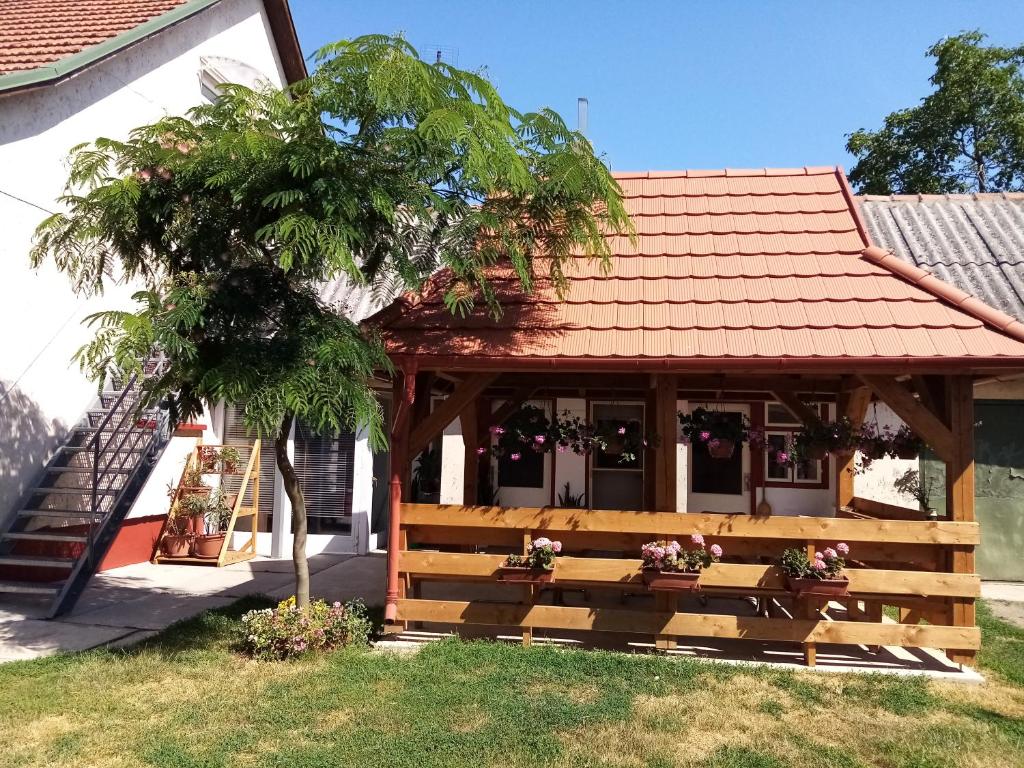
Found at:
<point>684,84</point>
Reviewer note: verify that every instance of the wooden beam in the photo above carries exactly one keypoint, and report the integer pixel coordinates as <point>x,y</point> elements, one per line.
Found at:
<point>551,519</point>
<point>667,428</point>
<point>797,407</point>
<point>853,405</point>
<point>448,410</point>
<point>960,495</point>
<point>471,460</point>
<point>936,434</point>
<point>686,624</point>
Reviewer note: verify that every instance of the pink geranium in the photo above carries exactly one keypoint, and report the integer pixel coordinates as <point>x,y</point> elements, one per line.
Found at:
<point>539,439</point>
<point>515,456</point>
<point>481,451</point>
<point>716,550</point>
<point>843,549</point>
<point>705,436</point>
<point>697,539</point>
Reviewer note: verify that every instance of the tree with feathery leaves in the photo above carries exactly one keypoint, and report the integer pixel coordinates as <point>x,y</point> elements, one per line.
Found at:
<point>380,169</point>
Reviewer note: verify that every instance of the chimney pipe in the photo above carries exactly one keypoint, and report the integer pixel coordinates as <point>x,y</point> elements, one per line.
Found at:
<point>582,107</point>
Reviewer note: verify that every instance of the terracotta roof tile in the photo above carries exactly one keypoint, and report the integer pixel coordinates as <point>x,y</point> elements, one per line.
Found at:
<point>34,33</point>
<point>749,264</point>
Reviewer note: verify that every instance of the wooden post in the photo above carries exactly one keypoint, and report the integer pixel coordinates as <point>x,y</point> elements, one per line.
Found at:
<point>532,591</point>
<point>960,495</point>
<point>805,608</point>
<point>666,421</point>
<point>404,395</point>
<point>853,405</point>
<point>471,461</point>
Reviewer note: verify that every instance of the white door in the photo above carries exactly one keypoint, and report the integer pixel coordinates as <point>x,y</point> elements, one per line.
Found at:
<point>719,485</point>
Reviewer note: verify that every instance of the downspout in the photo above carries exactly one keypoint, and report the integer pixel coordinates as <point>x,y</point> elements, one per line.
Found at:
<point>399,459</point>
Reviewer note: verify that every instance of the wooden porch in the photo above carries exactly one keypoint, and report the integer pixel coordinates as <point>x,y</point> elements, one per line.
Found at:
<point>922,569</point>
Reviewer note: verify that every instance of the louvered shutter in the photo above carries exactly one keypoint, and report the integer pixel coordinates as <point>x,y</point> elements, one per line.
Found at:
<point>235,434</point>
<point>324,466</point>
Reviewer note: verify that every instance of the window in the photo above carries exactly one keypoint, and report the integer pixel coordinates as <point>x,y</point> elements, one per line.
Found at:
<point>324,466</point>
<point>780,426</point>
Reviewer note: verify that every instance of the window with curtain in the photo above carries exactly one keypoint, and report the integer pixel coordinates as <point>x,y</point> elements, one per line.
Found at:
<point>325,467</point>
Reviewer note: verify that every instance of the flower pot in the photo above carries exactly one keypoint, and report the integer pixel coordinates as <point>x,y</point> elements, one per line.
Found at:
<point>615,446</point>
<point>721,449</point>
<point>208,545</point>
<point>175,545</point>
<point>811,587</point>
<point>670,581</point>
<point>230,467</point>
<point>525,575</point>
<point>196,490</point>
<point>189,430</point>
<point>208,460</point>
<point>815,452</point>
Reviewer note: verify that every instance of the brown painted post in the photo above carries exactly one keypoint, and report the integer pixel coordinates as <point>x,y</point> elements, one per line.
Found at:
<point>666,425</point>
<point>404,395</point>
<point>471,461</point>
<point>960,495</point>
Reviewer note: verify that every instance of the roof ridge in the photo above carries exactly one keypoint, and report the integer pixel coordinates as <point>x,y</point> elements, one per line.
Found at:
<point>705,173</point>
<point>942,290</point>
<point>927,198</point>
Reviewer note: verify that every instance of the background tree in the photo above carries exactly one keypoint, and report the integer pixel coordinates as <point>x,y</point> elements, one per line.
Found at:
<point>380,168</point>
<point>966,136</point>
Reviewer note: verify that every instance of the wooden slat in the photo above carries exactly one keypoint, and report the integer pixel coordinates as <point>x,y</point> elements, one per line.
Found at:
<point>687,624</point>
<point>936,434</point>
<point>881,511</point>
<point>680,524</point>
<point>447,411</point>
<point>593,570</point>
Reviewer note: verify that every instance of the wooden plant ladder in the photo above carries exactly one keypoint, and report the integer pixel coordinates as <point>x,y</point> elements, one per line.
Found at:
<point>239,510</point>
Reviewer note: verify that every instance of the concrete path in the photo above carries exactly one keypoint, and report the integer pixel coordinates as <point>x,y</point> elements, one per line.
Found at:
<point>125,605</point>
<point>1006,599</point>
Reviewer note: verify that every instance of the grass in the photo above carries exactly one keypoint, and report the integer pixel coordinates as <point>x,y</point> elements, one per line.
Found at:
<point>184,700</point>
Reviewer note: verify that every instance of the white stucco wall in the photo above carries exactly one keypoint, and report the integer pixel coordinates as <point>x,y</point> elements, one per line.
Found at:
<point>43,393</point>
<point>876,482</point>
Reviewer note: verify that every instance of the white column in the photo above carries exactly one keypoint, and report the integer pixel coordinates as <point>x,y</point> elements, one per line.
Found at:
<point>362,495</point>
<point>281,533</point>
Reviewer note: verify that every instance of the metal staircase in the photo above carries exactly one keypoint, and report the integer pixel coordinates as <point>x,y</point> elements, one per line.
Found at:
<point>53,545</point>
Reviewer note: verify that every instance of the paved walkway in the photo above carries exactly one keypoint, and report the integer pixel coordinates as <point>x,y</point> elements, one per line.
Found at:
<point>125,605</point>
<point>1006,599</point>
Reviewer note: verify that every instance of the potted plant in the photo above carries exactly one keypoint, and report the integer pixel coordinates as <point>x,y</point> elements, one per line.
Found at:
<point>818,438</point>
<point>426,478</point>
<point>820,576</point>
<point>208,459</point>
<point>229,460</point>
<point>175,542</point>
<point>193,507</point>
<point>667,566</point>
<point>215,525</point>
<point>905,444</point>
<point>720,431</point>
<point>537,566</point>
<point>569,500</point>
<point>911,484</point>
<point>192,483</point>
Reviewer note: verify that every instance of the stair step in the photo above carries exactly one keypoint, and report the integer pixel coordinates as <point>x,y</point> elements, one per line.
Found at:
<point>66,538</point>
<point>83,470</point>
<point>89,449</point>
<point>29,588</point>
<point>30,561</point>
<point>72,513</point>
<point>85,491</point>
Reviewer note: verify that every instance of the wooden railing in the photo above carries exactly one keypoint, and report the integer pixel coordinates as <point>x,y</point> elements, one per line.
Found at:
<point>893,562</point>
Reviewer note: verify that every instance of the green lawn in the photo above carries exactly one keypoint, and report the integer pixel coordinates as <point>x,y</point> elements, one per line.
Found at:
<point>185,700</point>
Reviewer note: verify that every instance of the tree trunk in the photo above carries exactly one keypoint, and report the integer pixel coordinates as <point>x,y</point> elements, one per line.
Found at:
<point>294,492</point>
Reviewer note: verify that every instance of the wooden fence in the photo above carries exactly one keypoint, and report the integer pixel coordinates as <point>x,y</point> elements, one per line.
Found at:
<point>893,562</point>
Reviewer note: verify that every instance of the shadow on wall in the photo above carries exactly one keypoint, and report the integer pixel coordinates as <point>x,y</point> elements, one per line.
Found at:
<point>27,439</point>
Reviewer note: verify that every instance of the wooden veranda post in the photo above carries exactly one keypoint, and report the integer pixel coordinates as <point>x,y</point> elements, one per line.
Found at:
<point>960,495</point>
<point>665,452</point>
<point>404,395</point>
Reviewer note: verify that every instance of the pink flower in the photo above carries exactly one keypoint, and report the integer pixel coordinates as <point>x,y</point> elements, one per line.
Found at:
<point>782,457</point>
<point>674,546</point>
<point>716,550</point>
<point>819,556</point>
<point>515,456</point>
<point>705,436</point>
<point>622,430</point>
<point>697,539</point>
<point>543,541</point>
<point>844,549</point>
<point>496,430</point>
<point>819,565</point>
<point>539,439</point>
<point>562,448</point>
<point>830,554</point>
<point>481,451</point>
<point>556,546</point>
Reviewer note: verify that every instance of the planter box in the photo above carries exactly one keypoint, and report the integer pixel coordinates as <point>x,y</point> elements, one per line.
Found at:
<point>525,575</point>
<point>818,587</point>
<point>670,581</point>
<point>189,430</point>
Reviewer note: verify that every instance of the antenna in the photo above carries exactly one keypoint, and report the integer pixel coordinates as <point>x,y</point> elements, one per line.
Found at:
<point>582,110</point>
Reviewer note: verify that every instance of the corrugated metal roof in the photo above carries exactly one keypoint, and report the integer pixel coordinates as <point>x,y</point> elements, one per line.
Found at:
<point>764,264</point>
<point>975,242</point>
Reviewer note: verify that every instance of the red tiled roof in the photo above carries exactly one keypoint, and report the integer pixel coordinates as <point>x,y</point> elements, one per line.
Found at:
<point>744,265</point>
<point>34,33</point>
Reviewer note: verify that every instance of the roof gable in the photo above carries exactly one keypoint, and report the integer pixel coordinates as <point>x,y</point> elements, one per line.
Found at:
<point>762,266</point>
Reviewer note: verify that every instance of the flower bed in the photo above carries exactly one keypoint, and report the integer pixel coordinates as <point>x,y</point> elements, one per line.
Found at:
<point>286,631</point>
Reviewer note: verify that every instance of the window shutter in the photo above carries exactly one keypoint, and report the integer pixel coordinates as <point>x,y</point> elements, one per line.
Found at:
<point>235,434</point>
<point>325,468</point>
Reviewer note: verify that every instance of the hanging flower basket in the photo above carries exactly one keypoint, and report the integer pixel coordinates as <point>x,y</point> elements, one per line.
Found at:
<point>721,448</point>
